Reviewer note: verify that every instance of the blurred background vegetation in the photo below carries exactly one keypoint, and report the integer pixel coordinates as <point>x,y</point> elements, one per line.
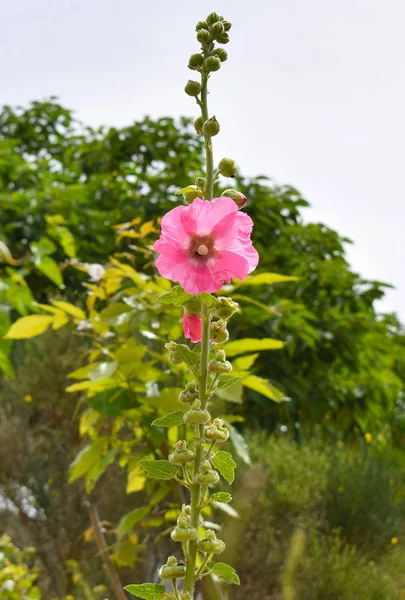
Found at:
<point>319,496</point>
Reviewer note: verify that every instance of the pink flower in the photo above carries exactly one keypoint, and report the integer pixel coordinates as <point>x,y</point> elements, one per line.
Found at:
<point>204,244</point>
<point>192,327</point>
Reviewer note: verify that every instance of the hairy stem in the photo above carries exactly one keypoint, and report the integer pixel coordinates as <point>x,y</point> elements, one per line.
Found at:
<point>209,156</point>
<point>196,489</point>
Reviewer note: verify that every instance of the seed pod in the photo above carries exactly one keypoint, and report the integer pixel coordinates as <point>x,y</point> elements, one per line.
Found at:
<point>196,415</point>
<point>171,570</point>
<point>193,88</point>
<point>211,127</point>
<point>211,544</point>
<point>181,455</point>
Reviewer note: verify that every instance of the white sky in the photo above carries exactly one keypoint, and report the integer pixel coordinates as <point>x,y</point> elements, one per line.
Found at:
<point>313,94</point>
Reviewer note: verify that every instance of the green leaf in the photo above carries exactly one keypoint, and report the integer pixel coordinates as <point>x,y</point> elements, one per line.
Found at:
<point>86,458</point>
<point>103,370</point>
<point>226,572</point>
<point>171,420</point>
<point>147,591</point>
<point>158,469</point>
<point>207,300</point>
<point>6,365</point>
<point>28,327</point>
<point>117,313</point>
<point>112,402</point>
<point>244,363</point>
<point>225,464</point>
<point>128,521</point>
<point>239,443</point>
<point>189,188</point>
<point>264,279</point>
<point>50,269</point>
<point>95,472</point>
<point>264,387</point>
<point>189,356</point>
<point>252,345</point>
<point>224,384</point>
<point>70,309</point>
<point>44,247</point>
<point>176,296</point>
<point>221,497</point>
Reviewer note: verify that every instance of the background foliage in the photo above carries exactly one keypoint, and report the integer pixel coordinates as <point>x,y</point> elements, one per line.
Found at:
<point>80,210</point>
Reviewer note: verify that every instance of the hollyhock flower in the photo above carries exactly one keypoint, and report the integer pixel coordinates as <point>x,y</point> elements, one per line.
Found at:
<point>192,326</point>
<point>205,244</point>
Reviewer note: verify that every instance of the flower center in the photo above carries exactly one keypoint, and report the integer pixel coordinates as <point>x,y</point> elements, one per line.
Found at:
<point>202,250</point>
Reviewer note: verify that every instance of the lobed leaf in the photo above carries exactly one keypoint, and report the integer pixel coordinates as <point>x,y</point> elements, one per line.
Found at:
<point>172,419</point>
<point>226,572</point>
<point>176,296</point>
<point>225,464</point>
<point>158,469</point>
<point>147,591</point>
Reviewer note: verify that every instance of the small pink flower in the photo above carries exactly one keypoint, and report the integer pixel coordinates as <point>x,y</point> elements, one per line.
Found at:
<point>192,327</point>
<point>205,244</point>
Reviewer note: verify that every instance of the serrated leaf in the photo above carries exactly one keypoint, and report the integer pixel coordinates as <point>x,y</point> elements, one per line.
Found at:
<point>228,382</point>
<point>264,387</point>
<point>147,591</point>
<point>224,497</point>
<point>226,572</point>
<point>189,356</point>
<point>128,521</point>
<point>172,419</point>
<point>252,345</point>
<point>177,296</point>
<point>207,300</point>
<point>158,469</point>
<point>264,279</point>
<point>28,327</point>
<point>225,464</point>
<point>239,443</point>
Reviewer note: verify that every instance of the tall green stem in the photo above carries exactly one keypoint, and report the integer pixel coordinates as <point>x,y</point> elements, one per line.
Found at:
<point>196,489</point>
<point>209,156</point>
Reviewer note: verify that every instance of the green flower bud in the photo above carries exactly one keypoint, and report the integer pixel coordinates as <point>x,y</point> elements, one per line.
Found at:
<point>221,54</point>
<point>211,127</point>
<point>181,455</point>
<point>211,544</point>
<point>174,355</point>
<point>171,570</point>
<point>212,18</point>
<point>186,512</point>
<point>200,182</point>
<point>203,36</point>
<point>190,393</point>
<point>196,61</point>
<point>227,167</point>
<point>206,475</point>
<point>223,39</point>
<point>198,125</point>
<point>217,29</point>
<point>227,25</point>
<point>217,431</point>
<point>201,25</point>
<point>212,63</point>
<point>193,88</point>
<point>193,306</point>
<point>225,308</point>
<point>219,364</point>
<point>196,415</point>
<point>184,532</point>
<point>238,197</point>
<point>218,332</point>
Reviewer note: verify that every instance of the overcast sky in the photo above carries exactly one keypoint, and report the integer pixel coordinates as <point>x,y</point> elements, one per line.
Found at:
<point>313,94</point>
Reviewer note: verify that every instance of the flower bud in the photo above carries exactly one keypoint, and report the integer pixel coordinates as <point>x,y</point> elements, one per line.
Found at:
<point>217,431</point>
<point>212,63</point>
<point>211,127</point>
<point>219,364</point>
<point>171,570</point>
<point>183,532</point>
<point>206,475</point>
<point>211,544</point>
<point>227,25</point>
<point>218,332</point>
<point>227,167</point>
<point>225,308</point>
<point>201,25</point>
<point>204,36</point>
<point>238,197</point>
<point>181,455</point>
<point>186,512</point>
<point>196,61</point>
<point>198,125</point>
<point>174,352</point>
<point>193,88</point>
<point>223,39</point>
<point>189,394</point>
<point>217,29</point>
<point>221,54</point>
<point>212,18</point>
<point>200,182</point>
<point>190,196</point>
<point>196,415</point>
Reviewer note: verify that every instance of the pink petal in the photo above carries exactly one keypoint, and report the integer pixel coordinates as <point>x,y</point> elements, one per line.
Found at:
<point>192,327</point>
<point>201,216</point>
